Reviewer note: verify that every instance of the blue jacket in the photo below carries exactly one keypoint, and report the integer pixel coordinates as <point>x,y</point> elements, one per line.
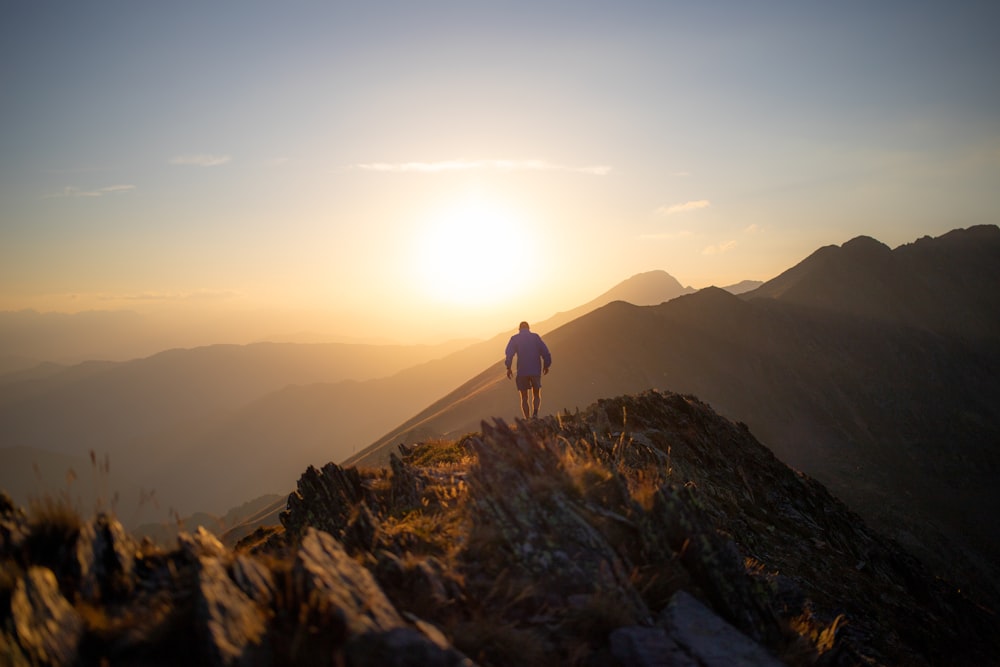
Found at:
<point>531,352</point>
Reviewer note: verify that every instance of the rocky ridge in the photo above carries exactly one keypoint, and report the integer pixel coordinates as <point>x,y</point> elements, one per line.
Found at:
<point>644,530</point>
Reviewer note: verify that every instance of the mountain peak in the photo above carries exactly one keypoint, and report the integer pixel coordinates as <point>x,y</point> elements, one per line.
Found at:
<point>646,289</point>
<point>865,245</point>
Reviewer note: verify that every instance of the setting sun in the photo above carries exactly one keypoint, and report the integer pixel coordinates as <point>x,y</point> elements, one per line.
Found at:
<point>474,253</point>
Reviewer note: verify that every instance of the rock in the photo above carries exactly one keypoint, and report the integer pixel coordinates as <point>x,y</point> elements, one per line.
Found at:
<point>642,646</point>
<point>13,526</point>
<point>105,556</point>
<point>401,647</point>
<point>254,579</point>
<point>48,628</point>
<point>230,625</point>
<point>363,532</point>
<point>200,544</point>
<point>714,563</point>
<point>419,585</point>
<point>520,489</point>
<point>324,574</point>
<point>709,639</point>
<point>324,499</point>
<point>407,485</point>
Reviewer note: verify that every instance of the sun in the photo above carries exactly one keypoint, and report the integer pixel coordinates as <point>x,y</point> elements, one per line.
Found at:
<point>474,253</point>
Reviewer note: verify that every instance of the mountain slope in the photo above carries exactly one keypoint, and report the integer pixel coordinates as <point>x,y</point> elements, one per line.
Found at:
<point>902,421</point>
<point>948,284</point>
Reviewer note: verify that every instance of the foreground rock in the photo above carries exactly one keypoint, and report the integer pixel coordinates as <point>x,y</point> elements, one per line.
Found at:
<point>645,530</point>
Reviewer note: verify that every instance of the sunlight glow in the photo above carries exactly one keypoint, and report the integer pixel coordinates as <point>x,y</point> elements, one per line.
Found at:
<point>474,254</point>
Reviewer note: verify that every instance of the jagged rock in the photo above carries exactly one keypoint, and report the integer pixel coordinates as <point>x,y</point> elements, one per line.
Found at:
<point>358,614</point>
<point>401,647</point>
<point>47,626</point>
<point>362,532</point>
<point>714,563</point>
<point>12,526</point>
<point>407,485</point>
<point>325,573</point>
<point>228,622</point>
<point>520,490</point>
<point>200,544</point>
<point>644,646</point>
<point>419,585</point>
<point>105,555</point>
<point>709,639</point>
<point>254,579</point>
<point>324,499</point>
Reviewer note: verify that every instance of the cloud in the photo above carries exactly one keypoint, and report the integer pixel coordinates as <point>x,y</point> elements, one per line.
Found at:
<point>719,249</point>
<point>682,208</point>
<point>465,165</point>
<point>196,295</point>
<point>201,159</point>
<point>73,191</point>
<point>667,236</point>
<point>752,229</point>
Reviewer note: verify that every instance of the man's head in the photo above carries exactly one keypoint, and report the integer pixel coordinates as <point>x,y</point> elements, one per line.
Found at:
<point>523,326</point>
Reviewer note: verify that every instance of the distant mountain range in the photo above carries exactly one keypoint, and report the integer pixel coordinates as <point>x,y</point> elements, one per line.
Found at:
<point>207,428</point>
<point>876,371</point>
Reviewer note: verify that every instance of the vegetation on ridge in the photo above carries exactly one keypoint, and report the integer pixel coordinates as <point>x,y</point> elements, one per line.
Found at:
<point>565,540</point>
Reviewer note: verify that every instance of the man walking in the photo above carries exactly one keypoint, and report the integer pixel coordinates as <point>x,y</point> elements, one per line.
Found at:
<point>531,353</point>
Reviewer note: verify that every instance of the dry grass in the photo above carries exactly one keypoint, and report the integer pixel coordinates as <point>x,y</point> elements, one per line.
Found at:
<point>441,453</point>
<point>53,528</point>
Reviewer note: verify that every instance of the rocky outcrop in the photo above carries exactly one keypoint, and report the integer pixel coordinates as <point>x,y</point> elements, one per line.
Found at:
<point>645,530</point>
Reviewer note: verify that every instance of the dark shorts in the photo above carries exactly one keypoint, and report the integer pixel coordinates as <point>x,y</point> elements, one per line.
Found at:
<point>526,382</point>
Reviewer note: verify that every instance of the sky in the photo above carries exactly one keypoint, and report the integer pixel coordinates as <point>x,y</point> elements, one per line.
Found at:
<point>423,170</point>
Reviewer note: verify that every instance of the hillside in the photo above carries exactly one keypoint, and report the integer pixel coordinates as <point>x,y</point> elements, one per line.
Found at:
<point>901,421</point>
<point>644,530</point>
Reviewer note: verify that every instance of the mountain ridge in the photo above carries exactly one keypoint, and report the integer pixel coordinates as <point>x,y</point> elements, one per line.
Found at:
<point>643,530</point>
<point>835,386</point>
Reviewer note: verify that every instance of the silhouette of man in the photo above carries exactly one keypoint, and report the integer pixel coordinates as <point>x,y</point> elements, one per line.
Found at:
<point>531,353</point>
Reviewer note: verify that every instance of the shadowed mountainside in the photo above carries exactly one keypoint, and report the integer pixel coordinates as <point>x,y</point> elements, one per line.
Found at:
<point>645,530</point>
<point>947,284</point>
<point>899,414</point>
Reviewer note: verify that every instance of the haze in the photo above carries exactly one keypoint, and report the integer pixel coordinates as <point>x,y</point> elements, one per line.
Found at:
<point>418,171</point>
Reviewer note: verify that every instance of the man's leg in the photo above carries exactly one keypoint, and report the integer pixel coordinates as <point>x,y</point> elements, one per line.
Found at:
<point>536,401</point>
<point>524,402</point>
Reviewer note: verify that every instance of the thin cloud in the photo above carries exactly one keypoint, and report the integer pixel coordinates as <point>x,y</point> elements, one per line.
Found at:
<point>683,208</point>
<point>667,236</point>
<point>752,229</point>
<point>73,191</point>
<point>720,249</point>
<point>201,159</point>
<point>466,165</point>
<point>196,295</point>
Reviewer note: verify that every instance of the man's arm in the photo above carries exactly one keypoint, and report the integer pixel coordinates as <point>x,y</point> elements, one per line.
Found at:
<point>509,355</point>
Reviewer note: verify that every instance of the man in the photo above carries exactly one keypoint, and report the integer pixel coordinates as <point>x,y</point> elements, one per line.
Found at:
<point>531,353</point>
